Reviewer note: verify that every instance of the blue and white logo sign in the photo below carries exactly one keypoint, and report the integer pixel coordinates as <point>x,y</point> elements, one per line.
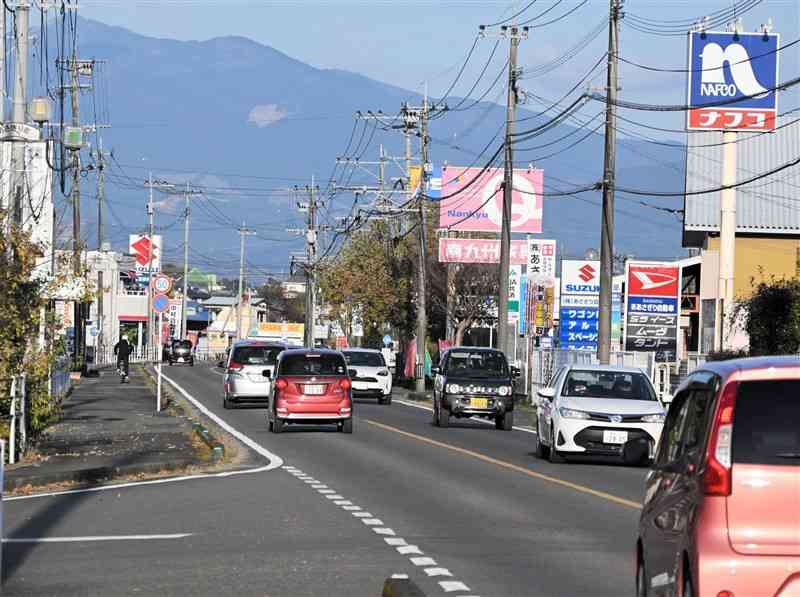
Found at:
<point>725,67</point>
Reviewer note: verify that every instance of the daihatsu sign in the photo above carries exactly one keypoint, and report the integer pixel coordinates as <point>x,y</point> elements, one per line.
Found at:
<point>732,80</point>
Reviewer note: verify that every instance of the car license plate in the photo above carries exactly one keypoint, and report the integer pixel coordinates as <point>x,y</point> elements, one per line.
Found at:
<point>615,437</point>
<point>359,385</point>
<point>313,390</point>
<point>479,403</point>
<point>180,359</point>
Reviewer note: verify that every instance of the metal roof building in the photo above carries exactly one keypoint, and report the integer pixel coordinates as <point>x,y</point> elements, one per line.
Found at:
<point>770,205</point>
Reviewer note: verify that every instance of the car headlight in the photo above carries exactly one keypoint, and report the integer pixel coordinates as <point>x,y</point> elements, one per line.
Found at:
<point>453,388</point>
<point>383,373</point>
<point>568,413</point>
<point>653,418</point>
<point>504,390</point>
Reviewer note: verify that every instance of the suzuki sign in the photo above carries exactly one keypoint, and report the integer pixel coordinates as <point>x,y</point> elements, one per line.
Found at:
<point>140,246</point>
<point>732,80</point>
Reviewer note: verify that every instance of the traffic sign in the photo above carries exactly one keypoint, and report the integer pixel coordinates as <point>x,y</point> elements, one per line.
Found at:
<point>160,303</point>
<point>387,340</point>
<point>162,284</point>
<point>732,80</point>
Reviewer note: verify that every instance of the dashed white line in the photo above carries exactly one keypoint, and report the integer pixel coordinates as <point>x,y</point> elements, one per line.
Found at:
<point>382,531</point>
<point>423,561</point>
<point>400,576</point>
<point>395,541</point>
<point>335,496</point>
<point>326,491</point>
<point>406,550</point>
<point>438,572</point>
<point>362,514</point>
<point>343,503</point>
<point>351,508</point>
<point>319,486</point>
<point>372,521</point>
<point>448,586</point>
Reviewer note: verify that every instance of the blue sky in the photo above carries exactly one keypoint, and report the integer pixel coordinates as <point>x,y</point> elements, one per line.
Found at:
<point>406,42</point>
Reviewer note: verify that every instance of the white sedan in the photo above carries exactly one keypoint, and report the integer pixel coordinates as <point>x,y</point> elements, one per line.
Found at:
<point>598,410</point>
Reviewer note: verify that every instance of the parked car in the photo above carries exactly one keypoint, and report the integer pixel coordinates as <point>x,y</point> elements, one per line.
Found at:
<point>311,386</point>
<point>181,352</point>
<point>597,410</point>
<point>474,382</point>
<point>721,513</point>
<point>248,372</point>
<point>372,378</point>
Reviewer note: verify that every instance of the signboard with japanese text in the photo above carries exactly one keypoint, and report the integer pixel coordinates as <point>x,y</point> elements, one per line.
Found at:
<point>652,307</point>
<point>514,281</point>
<point>523,304</point>
<point>542,262</point>
<point>472,200</point>
<point>174,316</point>
<point>480,250</point>
<point>732,80</point>
<point>141,247</point>
<point>580,278</point>
<point>580,302</point>
<point>578,328</point>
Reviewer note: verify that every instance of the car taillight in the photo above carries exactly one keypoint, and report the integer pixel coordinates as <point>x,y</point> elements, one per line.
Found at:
<point>345,383</point>
<point>717,476</point>
<point>235,366</point>
<point>281,384</point>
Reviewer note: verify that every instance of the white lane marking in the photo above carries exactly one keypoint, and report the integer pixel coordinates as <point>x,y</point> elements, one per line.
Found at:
<point>326,491</point>
<point>448,586</point>
<point>275,461</point>
<point>382,531</point>
<point>362,514</point>
<point>424,561</point>
<point>343,503</point>
<point>479,420</point>
<point>400,576</point>
<point>407,550</point>
<point>438,572</point>
<point>335,496</point>
<point>395,541</point>
<point>90,538</point>
<point>372,521</point>
<point>319,486</point>
<point>351,508</point>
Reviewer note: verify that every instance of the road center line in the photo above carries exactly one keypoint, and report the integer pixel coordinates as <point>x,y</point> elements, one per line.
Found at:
<point>509,466</point>
<point>95,538</point>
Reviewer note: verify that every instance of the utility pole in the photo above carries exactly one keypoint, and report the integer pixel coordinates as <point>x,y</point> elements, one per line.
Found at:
<point>19,108</point>
<point>76,210</point>
<point>609,172</point>
<point>188,196</point>
<point>243,231</point>
<point>311,257</point>
<point>101,192</point>
<point>514,34</point>
<point>150,215</point>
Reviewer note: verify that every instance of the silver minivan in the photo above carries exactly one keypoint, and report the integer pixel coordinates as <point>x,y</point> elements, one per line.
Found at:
<point>249,370</point>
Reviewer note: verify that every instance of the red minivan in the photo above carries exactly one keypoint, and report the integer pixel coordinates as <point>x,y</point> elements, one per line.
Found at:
<point>721,515</point>
<point>311,386</point>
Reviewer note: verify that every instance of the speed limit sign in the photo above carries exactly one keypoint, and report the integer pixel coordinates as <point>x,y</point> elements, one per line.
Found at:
<point>162,284</point>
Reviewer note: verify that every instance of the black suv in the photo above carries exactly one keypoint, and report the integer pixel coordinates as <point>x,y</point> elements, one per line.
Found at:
<point>474,382</point>
<point>181,352</point>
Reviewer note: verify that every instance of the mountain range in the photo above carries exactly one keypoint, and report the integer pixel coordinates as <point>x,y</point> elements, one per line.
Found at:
<point>247,122</point>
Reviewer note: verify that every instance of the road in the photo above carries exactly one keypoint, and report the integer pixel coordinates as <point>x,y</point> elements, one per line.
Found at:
<point>462,511</point>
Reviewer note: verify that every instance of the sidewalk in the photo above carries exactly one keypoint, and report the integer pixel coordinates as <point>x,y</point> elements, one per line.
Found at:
<point>107,430</point>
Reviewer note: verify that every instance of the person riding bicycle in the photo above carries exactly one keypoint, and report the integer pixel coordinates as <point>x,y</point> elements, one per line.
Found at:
<point>123,350</point>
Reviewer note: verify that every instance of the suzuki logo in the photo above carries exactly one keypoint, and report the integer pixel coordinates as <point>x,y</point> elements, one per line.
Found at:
<point>651,280</point>
<point>587,272</point>
<point>712,80</point>
<point>142,248</point>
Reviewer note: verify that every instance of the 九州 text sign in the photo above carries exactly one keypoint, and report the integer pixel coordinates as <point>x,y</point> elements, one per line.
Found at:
<point>732,80</point>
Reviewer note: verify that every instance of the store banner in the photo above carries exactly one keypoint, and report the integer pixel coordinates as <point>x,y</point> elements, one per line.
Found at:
<point>652,307</point>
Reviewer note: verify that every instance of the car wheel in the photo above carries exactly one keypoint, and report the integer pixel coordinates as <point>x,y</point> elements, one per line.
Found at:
<point>387,400</point>
<point>641,578</point>
<point>277,425</point>
<point>191,363</point>
<point>347,426</point>
<point>226,404</point>
<point>505,422</point>
<point>555,457</point>
<point>542,451</point>
<point>444,416</point>
<point>686,581</point>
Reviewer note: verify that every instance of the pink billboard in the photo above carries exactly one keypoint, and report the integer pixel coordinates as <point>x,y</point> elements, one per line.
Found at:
<point>480,250</point>
<point>472,200</point>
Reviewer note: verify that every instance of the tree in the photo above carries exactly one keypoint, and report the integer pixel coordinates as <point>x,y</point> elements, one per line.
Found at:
<point>771,317</point>
<point>359,284</point>
<point>472,289</point>
<point>279,306</point>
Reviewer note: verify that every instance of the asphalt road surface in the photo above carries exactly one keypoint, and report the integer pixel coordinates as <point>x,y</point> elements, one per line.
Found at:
<point>464,511</point>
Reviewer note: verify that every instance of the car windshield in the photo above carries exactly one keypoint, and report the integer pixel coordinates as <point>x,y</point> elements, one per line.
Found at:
<point>184,344</point>
<point>608,384</point>
<point>765,430</point>
<point>478,365</point>
<point>313,364</point>
<point>364,359</point>
<point>256,355</point>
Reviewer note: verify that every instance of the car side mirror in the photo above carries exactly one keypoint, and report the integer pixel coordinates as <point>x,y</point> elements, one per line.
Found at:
<point>436,370</point>
<point>636,451</point>
<point>352,373</point>
<point>266,373</point>
<point>548,393</point>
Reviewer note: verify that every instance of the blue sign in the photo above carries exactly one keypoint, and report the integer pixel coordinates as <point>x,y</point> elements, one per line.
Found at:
<point>654,305</point>
<point>387,340</point>
<point>727,66</point>
<point>160,303</point>
<point>578,327</point>
<point>523,305</point>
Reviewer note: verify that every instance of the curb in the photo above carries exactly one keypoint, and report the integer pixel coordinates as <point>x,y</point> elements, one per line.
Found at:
<point>94,475</point>
<point>216,447</point>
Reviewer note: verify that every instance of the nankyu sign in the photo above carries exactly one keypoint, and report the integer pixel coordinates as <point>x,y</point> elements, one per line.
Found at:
<point>472,200</point>
<point>732,80</point>
<point>652,307</point>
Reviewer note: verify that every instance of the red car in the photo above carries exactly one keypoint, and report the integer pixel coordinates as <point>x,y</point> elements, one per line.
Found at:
<point>311,386</point>
<point>721,514</point>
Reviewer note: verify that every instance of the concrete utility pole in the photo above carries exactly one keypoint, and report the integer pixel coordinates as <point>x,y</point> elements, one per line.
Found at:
<point>76,210</point>
<point>188,196</point>
<point>243,231</point>
<point>19,107</point>
<point>150,215</point>
<point>101,192</point>
<point>609,171</point>
<point>514,34</point>
<point>311,276</point>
